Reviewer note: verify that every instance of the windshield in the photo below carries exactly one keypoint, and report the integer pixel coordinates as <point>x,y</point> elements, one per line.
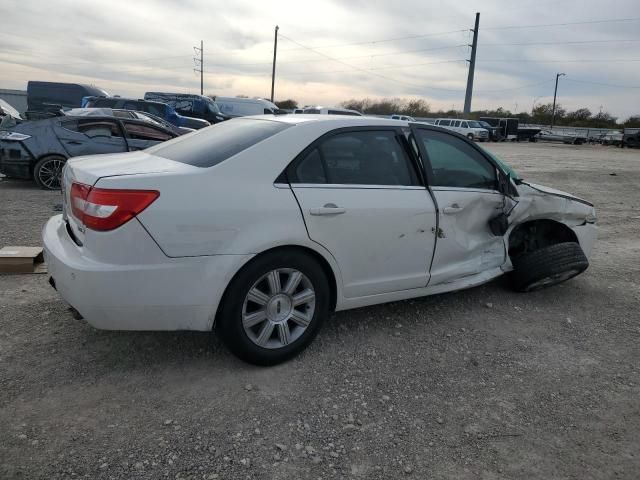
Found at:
<point>214,108</point>
<point>505,168</point>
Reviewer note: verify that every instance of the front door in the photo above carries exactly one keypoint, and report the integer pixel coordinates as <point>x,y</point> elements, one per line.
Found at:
<point>362,199</point>
<point>91,135</point>
<point>465,185</point>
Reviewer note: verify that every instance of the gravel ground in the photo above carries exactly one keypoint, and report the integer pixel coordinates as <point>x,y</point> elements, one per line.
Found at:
<point>484,383</point>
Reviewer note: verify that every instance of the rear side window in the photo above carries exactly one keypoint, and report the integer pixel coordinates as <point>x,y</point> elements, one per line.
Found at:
<point>445,123</point>
<point>145,132</point>
<point>154,108</point>
<point>104,102</point>
<point>210,146</point>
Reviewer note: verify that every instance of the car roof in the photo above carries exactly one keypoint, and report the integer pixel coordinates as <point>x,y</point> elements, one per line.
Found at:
<point>354,120</point>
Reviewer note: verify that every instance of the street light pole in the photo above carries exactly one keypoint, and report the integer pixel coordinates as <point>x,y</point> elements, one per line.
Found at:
<point>555,93</point>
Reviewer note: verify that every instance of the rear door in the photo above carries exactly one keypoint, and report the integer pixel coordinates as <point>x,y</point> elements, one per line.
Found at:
<point>90,135</point>
<point>465,185</point>
<point>363,199</point>
<point>141,136</point>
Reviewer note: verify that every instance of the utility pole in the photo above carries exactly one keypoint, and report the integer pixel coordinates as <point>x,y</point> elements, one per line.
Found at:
<point>273,70</point>
<point>200,63</point>
<point>472,67</point>
<point>555,94</point>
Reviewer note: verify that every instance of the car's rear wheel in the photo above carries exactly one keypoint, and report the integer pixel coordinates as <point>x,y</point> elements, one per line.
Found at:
<point>274,307</point>
<point>548,266</point>
<point>47,173</point>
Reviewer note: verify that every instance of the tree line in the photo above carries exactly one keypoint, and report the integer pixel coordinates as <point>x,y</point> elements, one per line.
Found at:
<point>540,114</point>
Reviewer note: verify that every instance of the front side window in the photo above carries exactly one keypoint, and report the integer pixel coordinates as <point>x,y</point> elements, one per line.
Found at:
<point>155,109</point>
<point>93,128</point>
<point>455,163</point>
<point>357,158</point>
<point>464,125</point>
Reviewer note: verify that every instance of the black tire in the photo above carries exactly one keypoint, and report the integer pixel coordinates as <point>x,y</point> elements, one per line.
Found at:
<point>41,175</point>
<point>548,266</point>
<point>229,323</point>
<point>470,136</point>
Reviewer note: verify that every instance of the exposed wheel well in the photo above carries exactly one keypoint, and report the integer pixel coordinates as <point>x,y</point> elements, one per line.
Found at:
<point>326,268</point>
<point>536,234</point>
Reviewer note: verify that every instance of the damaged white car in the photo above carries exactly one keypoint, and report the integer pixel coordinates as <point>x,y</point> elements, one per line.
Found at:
<point>259,227</point>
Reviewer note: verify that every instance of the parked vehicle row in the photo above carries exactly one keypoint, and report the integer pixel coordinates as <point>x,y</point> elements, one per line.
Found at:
<point>315,198</point>
<point>469,128</point>
<point>39,149</point>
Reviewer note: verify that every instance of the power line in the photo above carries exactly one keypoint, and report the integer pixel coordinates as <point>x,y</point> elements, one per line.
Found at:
<point>587,22</point>
<point>557,43</point>
<point>395,39</point>
<point>603,60</point>
<point>600,83</point>
<point>365,71</point>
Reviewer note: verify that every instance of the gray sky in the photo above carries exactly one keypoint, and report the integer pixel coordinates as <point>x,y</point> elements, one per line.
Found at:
<point>129,47</point>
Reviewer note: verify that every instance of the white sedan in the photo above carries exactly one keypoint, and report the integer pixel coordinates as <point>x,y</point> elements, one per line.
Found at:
<point>259,227</point>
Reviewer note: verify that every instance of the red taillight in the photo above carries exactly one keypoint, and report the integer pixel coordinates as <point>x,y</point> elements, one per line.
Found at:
<point>105,208</point>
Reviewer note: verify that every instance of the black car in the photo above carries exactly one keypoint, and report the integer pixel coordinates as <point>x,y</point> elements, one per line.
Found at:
<point>51,97</point>
<point>158,109</point>
<point>191,105</point>
<point>39,149</point>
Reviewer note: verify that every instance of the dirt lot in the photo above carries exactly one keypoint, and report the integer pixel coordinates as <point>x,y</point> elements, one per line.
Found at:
<point>484,383</point>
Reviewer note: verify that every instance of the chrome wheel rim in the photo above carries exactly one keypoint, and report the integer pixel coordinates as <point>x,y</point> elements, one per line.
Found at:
<point>278,308</point>
<point>50,173</point>
<point>553,279</point>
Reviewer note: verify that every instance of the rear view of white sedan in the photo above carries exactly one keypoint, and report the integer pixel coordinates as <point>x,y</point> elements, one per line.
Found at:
<point>259,227</point>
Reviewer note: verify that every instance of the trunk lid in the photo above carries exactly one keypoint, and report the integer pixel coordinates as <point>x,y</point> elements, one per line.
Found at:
<point>88,170</point>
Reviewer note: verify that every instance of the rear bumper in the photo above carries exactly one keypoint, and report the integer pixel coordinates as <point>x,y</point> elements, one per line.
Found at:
<point>149,293</point>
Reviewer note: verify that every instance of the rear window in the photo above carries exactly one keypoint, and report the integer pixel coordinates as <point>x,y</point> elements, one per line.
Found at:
<point>212,145</point>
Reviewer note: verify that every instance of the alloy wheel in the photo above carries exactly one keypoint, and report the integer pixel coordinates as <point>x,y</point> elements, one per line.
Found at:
<point>50,173</point>
<point>278,308</point>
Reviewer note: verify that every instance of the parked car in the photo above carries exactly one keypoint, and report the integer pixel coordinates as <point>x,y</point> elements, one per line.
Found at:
<point>494,132</point>
<point>331,111</point>
<point>509,127</point>
<point>144,116</point>
<point>631,137</point>
<point>39,149</point>
<point>197,106</point>
<point>405,118</point>
<point>240,107</point>
<point>47,96</point>
<point>469,128</point>
<point>559,137</point>
<point>612,138</point>
<point>158,109</point>
<point>326,214</point>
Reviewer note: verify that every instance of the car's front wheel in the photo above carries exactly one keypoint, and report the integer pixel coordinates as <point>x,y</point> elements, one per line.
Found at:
<point>274,307</point>
<point>47,173</point>
<point>548,266</point>
<point>470,136</point>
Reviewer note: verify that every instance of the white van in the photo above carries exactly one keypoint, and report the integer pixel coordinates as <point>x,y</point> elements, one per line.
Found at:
<point>331,111</point>
<point>405,118</point>
<point>469,128</point>
<point>241,107</point>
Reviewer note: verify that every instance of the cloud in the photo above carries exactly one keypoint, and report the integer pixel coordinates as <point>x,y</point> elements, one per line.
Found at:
<point>408,48</point>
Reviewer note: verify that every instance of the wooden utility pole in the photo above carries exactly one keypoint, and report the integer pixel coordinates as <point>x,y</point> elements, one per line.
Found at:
<point>273,70</point>
<point>472,67</point>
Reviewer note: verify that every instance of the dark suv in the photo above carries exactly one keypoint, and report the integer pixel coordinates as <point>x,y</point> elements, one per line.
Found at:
<point>191,105</point>
<point>158,109</point>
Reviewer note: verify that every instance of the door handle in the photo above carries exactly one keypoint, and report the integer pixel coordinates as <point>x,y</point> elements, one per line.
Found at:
<point>328,209</point>
<point>452,209</point>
